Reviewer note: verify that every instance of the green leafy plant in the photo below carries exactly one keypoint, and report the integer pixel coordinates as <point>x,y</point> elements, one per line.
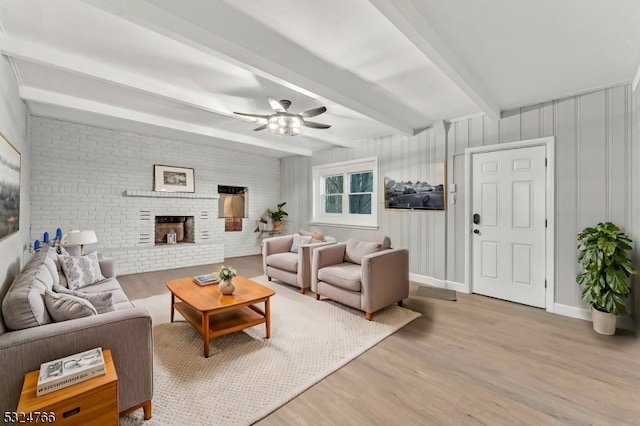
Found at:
<point>278,214</point>
<point>606,267</point>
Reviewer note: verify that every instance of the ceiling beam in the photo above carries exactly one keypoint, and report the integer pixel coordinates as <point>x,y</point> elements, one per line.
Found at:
<point>31,94</point>
<point>50,57</point>
<point>223,31</point>
<point>408,20</point>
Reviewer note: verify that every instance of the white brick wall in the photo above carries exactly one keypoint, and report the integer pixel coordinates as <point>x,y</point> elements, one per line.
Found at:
<point>86,177</point>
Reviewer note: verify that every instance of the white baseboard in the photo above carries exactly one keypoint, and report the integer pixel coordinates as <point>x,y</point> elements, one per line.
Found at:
<point>436,282</point>
<point>623,322</point>
<point>571,311</point>
<point>423,279</point>
<point>460,287</point>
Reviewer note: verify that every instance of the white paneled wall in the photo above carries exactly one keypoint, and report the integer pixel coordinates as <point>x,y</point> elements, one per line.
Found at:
<point>422,232</point>
<point>593,169</point>
<point>87,177</point>
<point>635,206</point>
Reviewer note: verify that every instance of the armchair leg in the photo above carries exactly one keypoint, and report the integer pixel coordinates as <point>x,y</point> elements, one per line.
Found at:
<point>146,409</point>
<point>368,316</point>
<point>269,278</point>
<point>317,296</point>
<point>302,290</point>
<point>399,302</point>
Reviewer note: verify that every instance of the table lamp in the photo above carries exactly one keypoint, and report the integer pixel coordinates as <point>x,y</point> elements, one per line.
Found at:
<point>79,238</point>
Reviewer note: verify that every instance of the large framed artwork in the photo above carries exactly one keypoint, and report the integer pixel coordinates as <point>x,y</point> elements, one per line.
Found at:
<point>9,188</point>
<point>424,192</point>
<point>173,179</point>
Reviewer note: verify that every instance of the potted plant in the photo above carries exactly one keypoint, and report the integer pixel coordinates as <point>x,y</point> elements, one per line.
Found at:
<point>272,219</point>
<point>606,267</point>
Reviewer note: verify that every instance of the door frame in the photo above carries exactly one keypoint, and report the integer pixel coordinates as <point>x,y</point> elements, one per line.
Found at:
<point>550,232</point>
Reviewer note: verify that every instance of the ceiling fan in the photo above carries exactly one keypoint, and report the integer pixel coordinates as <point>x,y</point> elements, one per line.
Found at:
<point>285,123</point>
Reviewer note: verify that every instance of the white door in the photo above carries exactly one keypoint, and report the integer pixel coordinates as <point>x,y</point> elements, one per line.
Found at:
<point>508,240</point>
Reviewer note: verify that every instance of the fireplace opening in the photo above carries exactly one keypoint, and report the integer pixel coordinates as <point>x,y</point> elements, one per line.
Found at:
<point>174,230</point>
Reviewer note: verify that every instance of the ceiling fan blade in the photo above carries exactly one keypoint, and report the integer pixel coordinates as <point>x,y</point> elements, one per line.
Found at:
<point>313,112</point>
<point>314,125</point>
<point>252,115</point>
<point>277,106</point>
<point>264,126</point>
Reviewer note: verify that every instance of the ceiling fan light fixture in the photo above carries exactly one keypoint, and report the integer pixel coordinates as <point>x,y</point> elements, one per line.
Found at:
<point>285,124</point>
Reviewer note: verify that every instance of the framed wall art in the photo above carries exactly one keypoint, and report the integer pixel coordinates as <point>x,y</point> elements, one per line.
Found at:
<point>173,179</point>
<point>9,188</point>
<point>417,193</point>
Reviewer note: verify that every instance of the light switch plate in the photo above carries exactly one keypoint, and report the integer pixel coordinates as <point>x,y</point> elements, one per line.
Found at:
<point>452,187</point>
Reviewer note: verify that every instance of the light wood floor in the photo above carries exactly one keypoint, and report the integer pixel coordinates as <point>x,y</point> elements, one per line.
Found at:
<point>473,361</point>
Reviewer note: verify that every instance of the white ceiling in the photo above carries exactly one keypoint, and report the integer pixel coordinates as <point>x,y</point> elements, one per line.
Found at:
<point>180,69</point>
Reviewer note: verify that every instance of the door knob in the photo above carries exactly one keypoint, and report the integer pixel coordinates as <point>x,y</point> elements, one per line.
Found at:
<point>476,231</point>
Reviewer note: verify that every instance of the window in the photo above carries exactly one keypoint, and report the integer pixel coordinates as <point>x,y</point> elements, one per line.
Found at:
<point>346,193</point>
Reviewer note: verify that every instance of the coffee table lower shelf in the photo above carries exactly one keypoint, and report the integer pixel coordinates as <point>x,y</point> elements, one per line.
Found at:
<point>221,323</point>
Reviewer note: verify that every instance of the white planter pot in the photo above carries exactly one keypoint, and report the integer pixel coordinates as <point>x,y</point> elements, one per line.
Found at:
<point>603,322</point>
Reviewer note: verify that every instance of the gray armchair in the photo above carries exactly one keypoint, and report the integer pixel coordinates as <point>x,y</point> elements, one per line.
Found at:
<point>287,263</point>
<point>363,275</point>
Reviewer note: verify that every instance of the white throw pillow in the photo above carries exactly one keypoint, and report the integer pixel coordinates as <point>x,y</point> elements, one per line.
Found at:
<point>63,307</point>
<point>299,240</point>
<point>81,271</point>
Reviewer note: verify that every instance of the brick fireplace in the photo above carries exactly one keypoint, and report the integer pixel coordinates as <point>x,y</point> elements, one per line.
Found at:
<point>181,225</point>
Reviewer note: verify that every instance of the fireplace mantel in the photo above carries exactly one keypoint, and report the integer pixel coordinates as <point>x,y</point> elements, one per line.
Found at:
<point>161,194</point>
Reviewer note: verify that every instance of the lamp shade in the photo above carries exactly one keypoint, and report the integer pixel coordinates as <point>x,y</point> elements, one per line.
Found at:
<point>79,238</point>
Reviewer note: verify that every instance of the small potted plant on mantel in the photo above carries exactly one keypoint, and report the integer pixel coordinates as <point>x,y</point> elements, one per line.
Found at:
<point>606,267</point>
<point>271,220</point>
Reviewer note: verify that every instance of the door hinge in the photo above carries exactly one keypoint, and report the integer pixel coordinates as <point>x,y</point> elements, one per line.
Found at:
<point>546,163</point>
<point>545,283</point>
<point>545,223</point>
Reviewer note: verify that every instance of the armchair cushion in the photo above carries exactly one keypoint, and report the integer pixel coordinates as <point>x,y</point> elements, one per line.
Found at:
<point>298,240</point>
<point>345,275</point>
<point>355,250</point>
<point>316,236</point>
<point>286,261</point>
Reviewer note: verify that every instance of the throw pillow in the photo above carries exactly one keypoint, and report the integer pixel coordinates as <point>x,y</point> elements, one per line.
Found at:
<point>299,240</point>
<point>81,271</point>
<point>355,250</point>
<point>103,302</point>
<point>63,307</point>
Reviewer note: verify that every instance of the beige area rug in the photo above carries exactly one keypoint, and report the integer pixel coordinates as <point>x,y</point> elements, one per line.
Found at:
<point>246,376</point>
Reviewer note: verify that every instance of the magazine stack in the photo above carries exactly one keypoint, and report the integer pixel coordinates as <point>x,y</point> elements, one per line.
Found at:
<point>70,370</point>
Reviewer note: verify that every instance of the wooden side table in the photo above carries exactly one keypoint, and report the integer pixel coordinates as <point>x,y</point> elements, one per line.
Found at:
<point>92,402</point>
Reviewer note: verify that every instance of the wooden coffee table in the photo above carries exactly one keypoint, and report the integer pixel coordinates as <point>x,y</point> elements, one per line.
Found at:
<point>213,314</point>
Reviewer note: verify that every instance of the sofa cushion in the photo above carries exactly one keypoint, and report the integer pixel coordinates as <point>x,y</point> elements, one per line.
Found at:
<point>286,261</point>
<point>103,302</point>
<point>355,250</point>
<point>299,240</point>
<point>345,275</point>
<point>111,285</point>
<point>81,270</point>
<point>63,307</point>
<point>23,305</point>
<point>52,268</point>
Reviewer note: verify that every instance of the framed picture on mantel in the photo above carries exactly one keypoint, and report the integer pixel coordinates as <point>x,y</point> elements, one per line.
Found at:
<point>173,179</point>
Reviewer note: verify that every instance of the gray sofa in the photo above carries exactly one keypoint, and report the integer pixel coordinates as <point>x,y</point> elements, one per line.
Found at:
<point>29,336</point>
